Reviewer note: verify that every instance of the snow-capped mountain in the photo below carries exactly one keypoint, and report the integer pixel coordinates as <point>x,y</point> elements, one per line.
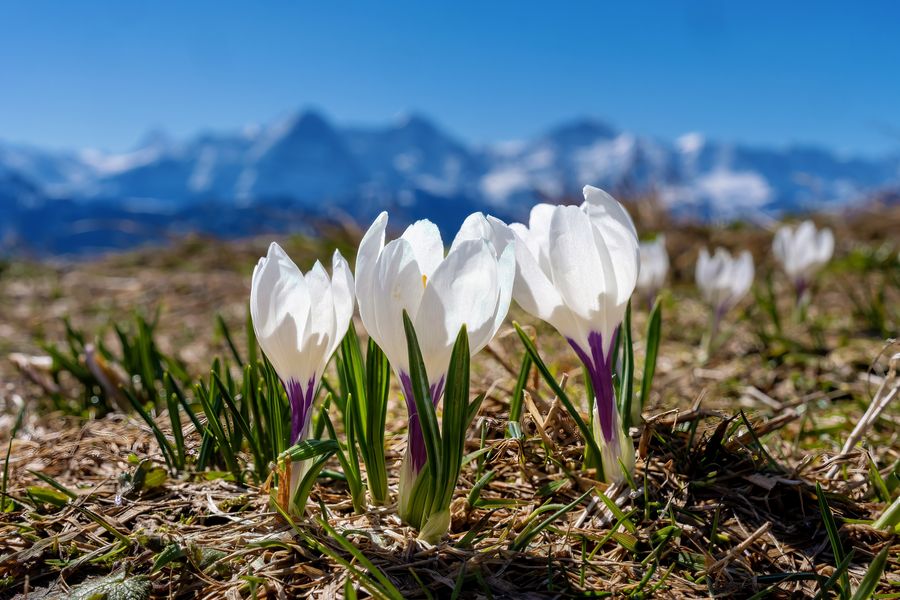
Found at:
<point>414,168</point>
<point>559,163</point>
<point>413,153</point>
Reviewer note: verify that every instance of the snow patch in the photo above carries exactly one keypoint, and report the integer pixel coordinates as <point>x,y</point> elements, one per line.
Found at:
<point>113,164</point>
<point>690,143</point>
<point>499,185</point>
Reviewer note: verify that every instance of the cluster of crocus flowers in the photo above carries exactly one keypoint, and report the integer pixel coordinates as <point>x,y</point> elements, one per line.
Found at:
<point>471,286</point>
<point>299,321</point>
<point>654,268</point>
<point>428,311</point>
<point>723,281</point>
<point>577,269</point>
<point>574,267</point>
<point>802,251</point>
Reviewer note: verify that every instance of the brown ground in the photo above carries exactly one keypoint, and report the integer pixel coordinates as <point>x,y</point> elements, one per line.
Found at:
<point>720,510</point>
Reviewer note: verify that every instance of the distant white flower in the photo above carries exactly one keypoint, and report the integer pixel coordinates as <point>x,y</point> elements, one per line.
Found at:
<point>577,269</point>
<point>724,280</point>
<point>802,252</point>
<point>299,321</point>
<point>471,286</point>
<point>654,267</point>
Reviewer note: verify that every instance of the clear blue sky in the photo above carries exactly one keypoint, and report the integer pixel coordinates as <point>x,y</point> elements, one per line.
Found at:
<point>100,74</point>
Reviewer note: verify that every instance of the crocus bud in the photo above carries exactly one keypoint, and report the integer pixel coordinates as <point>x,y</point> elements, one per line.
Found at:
<point>471,286</point>
<point>802,252</point>
<point>577,267</point>
<point>299,321</point>
<point>654,267</point>
<point>724,280</point>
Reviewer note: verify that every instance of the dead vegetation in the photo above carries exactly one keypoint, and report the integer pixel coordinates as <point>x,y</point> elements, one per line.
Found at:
<point>724,501</point>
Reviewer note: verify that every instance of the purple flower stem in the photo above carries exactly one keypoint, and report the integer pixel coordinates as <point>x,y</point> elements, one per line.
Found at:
<point>599,368</point>
<point>301,406</point>
<point>416,440</point>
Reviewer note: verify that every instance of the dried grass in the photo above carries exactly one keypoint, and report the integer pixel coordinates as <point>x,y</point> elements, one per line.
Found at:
<point>720,510</point>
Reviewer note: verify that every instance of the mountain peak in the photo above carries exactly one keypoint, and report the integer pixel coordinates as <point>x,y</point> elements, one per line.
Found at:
<point>156,138</point>
<point>581,131</point>
<point>309,122</point>
<point>415,121</point>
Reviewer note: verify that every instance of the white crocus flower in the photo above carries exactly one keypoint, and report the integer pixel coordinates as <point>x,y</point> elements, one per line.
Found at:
<point>654,267</point>
<point>471,286</point>
<point>299,321</point>
<point>723,281</point>
<point>802,252</point>
<point>577,269</point>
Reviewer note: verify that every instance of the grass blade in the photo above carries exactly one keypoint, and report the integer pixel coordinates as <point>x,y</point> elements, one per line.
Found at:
<point>833,537</point>
<point>455,419</point>
<point>479,485</point>
<point>209,400</point>
<point>523,539</point>
<point>654,330</point>
<point>164,445</point>
<point>349,466</point>
<point>422,397</point>
<point>386,587</point>
<point>54,484</point>
<point>840,572</point>
<point>372,586</point>
<point>515,403</point>
<point>873,575</point>
<point>378,384</point>
<point>626,384</point>
<point>244,427</point>
<point>12,436</point>
<point>223,329</point>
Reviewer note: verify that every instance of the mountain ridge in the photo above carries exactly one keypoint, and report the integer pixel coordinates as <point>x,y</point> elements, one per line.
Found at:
<point>416,167</point>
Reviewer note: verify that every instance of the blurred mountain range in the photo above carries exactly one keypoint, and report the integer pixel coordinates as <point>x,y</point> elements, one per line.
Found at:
<point>294,172</point>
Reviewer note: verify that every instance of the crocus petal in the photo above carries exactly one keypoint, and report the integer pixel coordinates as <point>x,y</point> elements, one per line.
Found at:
<point>475,227</point>
<point>323,326</point>
<point>478,227</point>
<point>781,244</point>
<point>506,277</point>
<point>743,277</point>
<point>624,257</point>
<point>279,309</point>
<point>580,270</point>
<point>463,290</point>
<point>398,287</point>
<point>701,269</point>
<point>366,257</point>
<point>534,291</point>
<point>342,290</point>
<point>825,246</point>
<point>524,236</point>
<point>539,230</point>
<point>599,205</point>
<point>620,256</point>
<point>805,235</point>
<point>654,265</point>
<point>425,240</point>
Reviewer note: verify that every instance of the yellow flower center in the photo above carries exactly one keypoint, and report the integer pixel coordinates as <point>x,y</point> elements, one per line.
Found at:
<point>424,280</point>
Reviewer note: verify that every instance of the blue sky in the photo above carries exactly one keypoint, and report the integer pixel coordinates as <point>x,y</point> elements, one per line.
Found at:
<point>101,74</point>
